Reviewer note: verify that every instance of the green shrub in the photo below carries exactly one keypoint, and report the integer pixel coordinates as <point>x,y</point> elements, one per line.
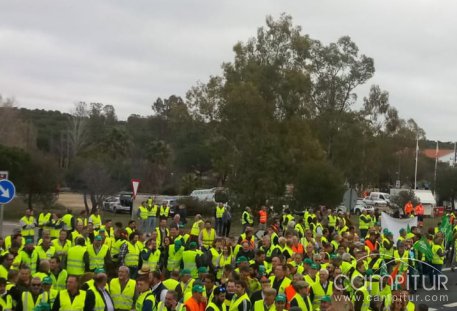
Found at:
<point>195,206</point>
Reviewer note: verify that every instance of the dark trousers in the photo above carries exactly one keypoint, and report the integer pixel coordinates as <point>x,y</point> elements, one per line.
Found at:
<point>219,226</point>
<point>226,228</point>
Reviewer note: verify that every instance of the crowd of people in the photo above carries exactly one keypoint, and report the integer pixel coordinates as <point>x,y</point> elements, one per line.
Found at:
<point>316,261</point>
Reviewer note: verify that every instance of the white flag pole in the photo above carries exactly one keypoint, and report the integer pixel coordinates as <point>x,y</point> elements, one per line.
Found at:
<point>436,167</point>
<point>415,170</point>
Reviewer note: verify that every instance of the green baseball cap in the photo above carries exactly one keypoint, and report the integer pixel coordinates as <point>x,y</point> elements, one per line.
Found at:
<point>202,270</point>
<point>198,288</point>
<point>280,298</point>
<point>98,238</point>
<point>241,259</point>
<point>308,261</point>
<point>47,281</point>
<point>99,270</point>
<point>326,299</point>
<point>185,272</point>
<point>192,244</point>
<point>315,266</point>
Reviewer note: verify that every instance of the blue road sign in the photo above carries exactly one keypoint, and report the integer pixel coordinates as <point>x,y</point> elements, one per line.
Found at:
<point>7,191</point>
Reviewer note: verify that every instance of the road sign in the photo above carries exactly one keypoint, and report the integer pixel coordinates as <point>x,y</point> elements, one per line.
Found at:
<point>135,185</point>
<point>397,184</point>
<point>7,191</point>
<point>3,175</point>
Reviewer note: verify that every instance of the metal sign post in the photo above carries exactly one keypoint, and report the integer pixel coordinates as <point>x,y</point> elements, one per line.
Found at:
<point>7,193</point>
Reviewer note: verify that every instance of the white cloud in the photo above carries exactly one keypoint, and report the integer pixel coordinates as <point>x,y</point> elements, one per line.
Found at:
<point>127,53</point>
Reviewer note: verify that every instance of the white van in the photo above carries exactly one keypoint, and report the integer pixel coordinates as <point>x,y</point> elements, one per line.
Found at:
<point>205,194</point>
<point>377,199</point>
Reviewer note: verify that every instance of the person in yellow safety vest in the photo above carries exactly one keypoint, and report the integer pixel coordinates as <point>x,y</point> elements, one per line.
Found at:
<point>25,257</point>
<point>143,214</point>
<point>162,231</point>
<point>150,255</point>
<point>145,298</point>
<point>321,288</point>
<point>190,258</point>
<point>172,282</point>
<point>96,219</point>
<point>129,254</point>
<point>387,249</point>
<point>364,223</point>
<point>246,218</point>
<point>175,252</point>
<point>72,298</point>
<point>164,210</point>
<point>99,255</point>
<point>34,297</point>
<point>268,301</point>
<point>57,275</point>
<point>46,283</point>
<point>186,282</point>
<point>61,245</point>
<point>301,298</point>
<point>131,227</point>
<point>197,227</point>
<point>279,281</point>
<point>401,256</point>
<point>68,222</point>
<point>437,261</point>
<point>6,301</point>
<point>286,218</point>
<point>122,290</point>
<point>42,270</point>
<point>171,302</point>
<point>207,235</point>
<point>77,261</point>
<point>153,210</point>
<point>56,226</point>
<point>46,250</point>
<point>218,299</point>
<point>332,220</point>
<point>402,236</point>
<point>81,219</point>
<point>28,225</point>
<point>361,298</point>
<point>98,296</point>
<point>219,212</point>
<point>44,221</point>
<point>241,297</point>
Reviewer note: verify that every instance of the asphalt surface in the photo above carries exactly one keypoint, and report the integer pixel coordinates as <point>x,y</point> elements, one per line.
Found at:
<point>444,298</point>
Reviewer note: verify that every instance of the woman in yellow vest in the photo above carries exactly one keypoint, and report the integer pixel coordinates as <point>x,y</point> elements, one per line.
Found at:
<point>224,259</point>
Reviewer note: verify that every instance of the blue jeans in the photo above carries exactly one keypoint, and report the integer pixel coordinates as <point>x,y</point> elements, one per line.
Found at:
<point>152,223</point>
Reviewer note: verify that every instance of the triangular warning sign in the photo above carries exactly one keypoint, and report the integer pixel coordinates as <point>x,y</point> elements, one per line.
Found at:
<point>135,185</point>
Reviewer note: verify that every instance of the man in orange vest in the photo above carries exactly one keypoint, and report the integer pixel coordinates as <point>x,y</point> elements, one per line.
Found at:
<point>263,218</point>
<point>419,212</point>
<point>197,302</point>
<point>408,208</point>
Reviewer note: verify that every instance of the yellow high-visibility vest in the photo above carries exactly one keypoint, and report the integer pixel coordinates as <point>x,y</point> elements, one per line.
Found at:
<point>122,299</point>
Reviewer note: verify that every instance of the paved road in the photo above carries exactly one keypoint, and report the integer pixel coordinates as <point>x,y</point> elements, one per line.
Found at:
<point>443,299</point>
<point>8,227</point>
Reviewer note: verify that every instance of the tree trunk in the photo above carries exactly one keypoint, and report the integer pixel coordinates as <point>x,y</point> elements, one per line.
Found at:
<point>93,200</point>
<point>29,200</point>
<point>86,206</point>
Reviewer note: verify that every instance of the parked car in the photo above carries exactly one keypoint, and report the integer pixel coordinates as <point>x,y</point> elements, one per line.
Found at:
<point>377,199</point>
<point>118,204</point>
<point>361,206</point>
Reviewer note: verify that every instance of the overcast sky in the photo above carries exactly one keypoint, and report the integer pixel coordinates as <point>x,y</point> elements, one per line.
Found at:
<point>128,53</point>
